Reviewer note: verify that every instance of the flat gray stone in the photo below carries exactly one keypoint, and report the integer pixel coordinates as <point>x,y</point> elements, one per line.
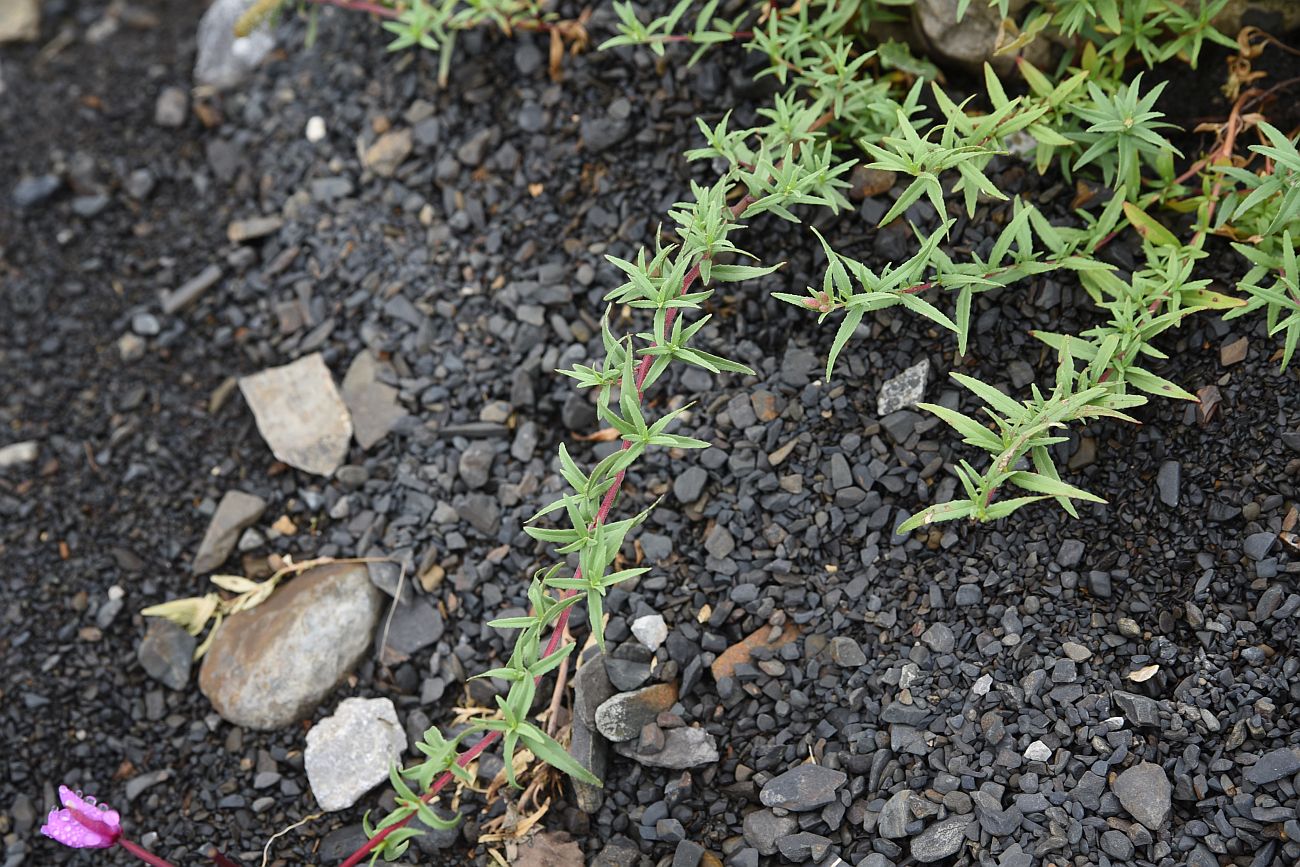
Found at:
<point>350,752</point>
<point>372,404</point>
<point>300,414</point>
<point>683,748</point>
<point>905,390</point>
<point>1144,791</point>
<point>1274,766</point>
<point>762,828</point>
<point>805,787</point>
<point>621,717</point>
<point>271,665</point>
<point>166,653</point>
<point>236,512</point>
<point>591,750</point>
<point>894,816</point>
<point>591,688</point>
<point>941,839</point>
<point>1139,710</point>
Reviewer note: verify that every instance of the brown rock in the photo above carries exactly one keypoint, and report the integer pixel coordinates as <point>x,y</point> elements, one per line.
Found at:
<point>1234,352</point>
<point>743,650</point>
<point>271,665</point>
<point>387,153</point>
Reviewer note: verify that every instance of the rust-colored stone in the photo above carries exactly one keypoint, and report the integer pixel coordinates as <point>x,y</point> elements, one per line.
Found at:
<point>743,650</point>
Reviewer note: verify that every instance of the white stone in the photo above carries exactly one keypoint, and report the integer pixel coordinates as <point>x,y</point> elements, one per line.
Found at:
<point>903,390</point>
<point>983,685</point>
<point>300,414</point>
<point>650,630</point>
<point>20,20</point>
<point>315,128</point>
<point>350,753</point>
<point>1038,752</point>
<point>224,59</point>
<point>18,453</point>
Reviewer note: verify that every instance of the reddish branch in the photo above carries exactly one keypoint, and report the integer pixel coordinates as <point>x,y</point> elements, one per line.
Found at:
<point>602,515</point>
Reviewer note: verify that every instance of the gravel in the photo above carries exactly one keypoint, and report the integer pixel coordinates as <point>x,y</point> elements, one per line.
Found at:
<point>797,625</point>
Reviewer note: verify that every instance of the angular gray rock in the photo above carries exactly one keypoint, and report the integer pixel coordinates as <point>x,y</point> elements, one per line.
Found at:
<point>682,748</point>
<point>350,752</point>
<point>621,717</point>
<point>271,665</point>
<point>166,653</point>
<point>372,404</point>
<point>1137,709</point>
<point>1144,791</point>
<point>762,828</point>
<point>591,750</point>
<point>236,511</point>
<point>300,414</point>
<point>895,816</point>
<point>903,391</point>
<point>940,840</point>
<point>591,688</point>
<point>805,787</point>
<point>223,59</point>
<point>1274,766</point>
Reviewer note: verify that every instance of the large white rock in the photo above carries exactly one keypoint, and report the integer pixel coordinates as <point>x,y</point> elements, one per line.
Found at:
<point>20,21</point>
<point>223,59</point>
<point>300,413</point>
<point>350,753</point>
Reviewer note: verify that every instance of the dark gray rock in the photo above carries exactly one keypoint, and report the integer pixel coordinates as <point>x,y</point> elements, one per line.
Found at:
<point>236,511</point>
<point>804,847</point>
<point>166,653</point>
<point>940,840</point>
<point>846,653</point>
<point>29,192</point>
<point>1145,792</point>
<point>683,748</point>
<point>1274,765</point>
<point>805,787</point>
<point>895,816</point>
<point>762,828</point>
<point>1137,709</point>
<point>1257,545</point>
<point>939,638</point>
<point>1169,482</point>
<point>1117,845</point>
<point>689,484</point>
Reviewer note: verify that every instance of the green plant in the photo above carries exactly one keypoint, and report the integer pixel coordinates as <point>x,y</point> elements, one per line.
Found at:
<point>842,102</point>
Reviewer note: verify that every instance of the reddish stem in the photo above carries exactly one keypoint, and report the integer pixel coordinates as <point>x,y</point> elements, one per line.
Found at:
<point>602,515</point>
<point>142,853</point>
<point>360,6</point>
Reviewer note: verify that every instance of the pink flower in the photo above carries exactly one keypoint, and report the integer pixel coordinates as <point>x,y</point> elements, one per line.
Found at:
<point>82,823</point>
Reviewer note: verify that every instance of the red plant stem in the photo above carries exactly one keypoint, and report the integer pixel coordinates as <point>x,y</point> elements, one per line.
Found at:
<point>142,853</point>
<point>602,515</point>
<point>360,6</point>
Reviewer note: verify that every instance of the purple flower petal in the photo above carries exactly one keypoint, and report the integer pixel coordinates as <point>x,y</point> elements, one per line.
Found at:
<point>82,824</point>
